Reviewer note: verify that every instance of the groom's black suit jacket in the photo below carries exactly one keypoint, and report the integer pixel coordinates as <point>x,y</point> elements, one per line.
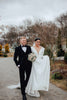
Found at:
<point>21,57</point>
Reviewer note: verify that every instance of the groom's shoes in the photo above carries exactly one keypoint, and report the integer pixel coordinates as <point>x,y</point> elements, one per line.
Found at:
<point>24,97</point>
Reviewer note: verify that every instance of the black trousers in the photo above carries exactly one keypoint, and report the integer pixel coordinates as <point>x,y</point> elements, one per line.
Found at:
<point>25,68</point>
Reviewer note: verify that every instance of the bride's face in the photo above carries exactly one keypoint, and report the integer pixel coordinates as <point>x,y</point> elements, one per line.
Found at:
<point>37,43</point>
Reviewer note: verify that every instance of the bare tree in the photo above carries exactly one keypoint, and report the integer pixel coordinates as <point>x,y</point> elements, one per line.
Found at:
<point>62,20</point>
<point>11,35</point>
<point>46,31</point>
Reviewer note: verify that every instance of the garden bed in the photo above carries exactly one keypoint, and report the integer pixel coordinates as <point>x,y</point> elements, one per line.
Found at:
<point>59,83</point>
<point>59,67</point>
<point>8,55</point>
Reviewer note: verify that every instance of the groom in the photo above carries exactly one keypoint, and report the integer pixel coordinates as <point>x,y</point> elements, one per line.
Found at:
<point>21,61</point>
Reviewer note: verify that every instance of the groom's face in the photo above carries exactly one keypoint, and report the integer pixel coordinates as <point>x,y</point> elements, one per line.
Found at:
<point>23,41</point>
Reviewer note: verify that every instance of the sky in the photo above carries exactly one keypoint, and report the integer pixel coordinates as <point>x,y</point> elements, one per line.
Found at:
<point>15,11</point>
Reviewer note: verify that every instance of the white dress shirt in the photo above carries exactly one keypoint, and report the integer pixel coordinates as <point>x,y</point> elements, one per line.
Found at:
<point>24,48</point>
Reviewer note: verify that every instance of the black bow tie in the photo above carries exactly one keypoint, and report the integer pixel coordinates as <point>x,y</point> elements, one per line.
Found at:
<point>23,45</point>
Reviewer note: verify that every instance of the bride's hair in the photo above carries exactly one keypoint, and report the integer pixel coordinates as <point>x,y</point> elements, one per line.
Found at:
<point>37,39</point>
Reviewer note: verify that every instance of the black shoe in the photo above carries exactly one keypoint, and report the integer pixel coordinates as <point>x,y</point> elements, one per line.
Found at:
<point>24,97</point>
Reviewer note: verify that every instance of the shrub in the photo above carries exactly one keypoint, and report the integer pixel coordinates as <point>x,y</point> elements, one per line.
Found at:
<point>1,53</point>
<point>1,50</point>
<point>57,75</point>
<point>5,55</point>
<point>0,47</point>
<point>48,52</point>
<point>60,53</point>
<point>65,57</point>
<point>7,48</point>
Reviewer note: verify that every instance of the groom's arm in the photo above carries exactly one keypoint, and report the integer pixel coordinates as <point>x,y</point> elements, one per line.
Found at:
<point>15,56</point>
<point>30,49</point>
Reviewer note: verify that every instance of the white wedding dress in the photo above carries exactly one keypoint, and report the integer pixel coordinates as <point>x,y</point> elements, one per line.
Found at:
<point>40,74</point>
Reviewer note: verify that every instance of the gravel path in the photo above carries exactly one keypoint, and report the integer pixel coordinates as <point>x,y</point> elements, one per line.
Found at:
<point>9,75</point>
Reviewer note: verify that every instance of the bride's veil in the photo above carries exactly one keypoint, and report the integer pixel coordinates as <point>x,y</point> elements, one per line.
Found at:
<point>34,44</point>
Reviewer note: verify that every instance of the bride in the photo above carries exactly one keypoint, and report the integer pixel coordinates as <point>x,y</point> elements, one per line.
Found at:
<point>40,73</point>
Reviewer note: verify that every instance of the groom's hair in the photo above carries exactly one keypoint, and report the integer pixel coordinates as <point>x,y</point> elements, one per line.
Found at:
<point>23,37</point>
